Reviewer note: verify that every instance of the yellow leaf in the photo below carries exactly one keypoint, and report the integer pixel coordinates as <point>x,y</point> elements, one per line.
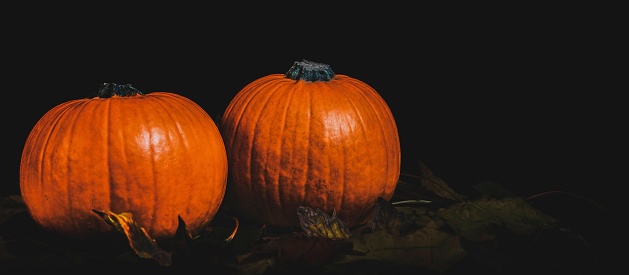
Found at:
<point>317,223</point>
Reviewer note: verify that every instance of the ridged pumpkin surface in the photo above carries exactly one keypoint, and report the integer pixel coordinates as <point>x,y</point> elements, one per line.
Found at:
<point>327,144</point>
<point>156,155</point>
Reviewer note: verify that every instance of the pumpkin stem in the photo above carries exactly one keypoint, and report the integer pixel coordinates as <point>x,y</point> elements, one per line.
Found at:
<point>107,90</point>
<point>310,71</point>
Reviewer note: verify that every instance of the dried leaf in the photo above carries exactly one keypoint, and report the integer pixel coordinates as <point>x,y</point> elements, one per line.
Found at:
<point>435,184</point>
<point>299,248</point>
<point>182,242</point>
<point>11,206</point>
<point>406,191</point>
<point>386,217</point>
<point>316,223</point>
<point>231,236</point>
<point>139,240</point>
<point>246,237</point>
<point>492,189</point>
<point>428,247</point>
<point>260,266</point>
<point>473,219</point>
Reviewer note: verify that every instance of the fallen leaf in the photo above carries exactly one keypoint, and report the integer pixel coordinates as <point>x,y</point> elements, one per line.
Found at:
<point>11,206</point>
<point>472,219</point>
<point>139,240</point>
<point>386,217</point>
<point>316,223</point>
<point>492,189</point>
<point>428,247</point>
<point>433,183</point>
<point>309,250</point>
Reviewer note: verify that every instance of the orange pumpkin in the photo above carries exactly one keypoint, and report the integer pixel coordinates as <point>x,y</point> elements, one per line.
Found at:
<point>313,138</point>
<point>156,155</point>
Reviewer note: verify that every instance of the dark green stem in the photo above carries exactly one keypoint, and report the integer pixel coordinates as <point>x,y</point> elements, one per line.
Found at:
<point>107,90</point>
<point>310,71</point>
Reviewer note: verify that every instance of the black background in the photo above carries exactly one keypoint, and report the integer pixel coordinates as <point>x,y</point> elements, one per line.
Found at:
<point>519,96</point>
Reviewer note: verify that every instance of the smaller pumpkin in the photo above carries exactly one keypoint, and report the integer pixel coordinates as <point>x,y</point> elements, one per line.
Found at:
<point>157,156</point>
<point>310,138</point>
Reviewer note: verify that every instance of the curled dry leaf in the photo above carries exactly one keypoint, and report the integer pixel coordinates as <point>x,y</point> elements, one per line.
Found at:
<point>388,218</point>
<point>139,240</point>
<point>316,223</point>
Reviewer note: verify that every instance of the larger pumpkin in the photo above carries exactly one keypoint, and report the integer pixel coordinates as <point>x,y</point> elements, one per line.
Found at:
<point>313,138</point>
<point>157,156</point>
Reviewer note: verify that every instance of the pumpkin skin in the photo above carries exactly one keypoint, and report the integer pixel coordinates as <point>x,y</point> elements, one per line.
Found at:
<point>157,156</point>
<point>313,138</point>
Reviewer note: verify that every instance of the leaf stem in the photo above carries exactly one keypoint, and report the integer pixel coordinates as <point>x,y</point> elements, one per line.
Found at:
<point>412,202</point>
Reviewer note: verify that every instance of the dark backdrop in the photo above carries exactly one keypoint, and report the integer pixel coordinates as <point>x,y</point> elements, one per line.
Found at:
<point>522,99</point>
